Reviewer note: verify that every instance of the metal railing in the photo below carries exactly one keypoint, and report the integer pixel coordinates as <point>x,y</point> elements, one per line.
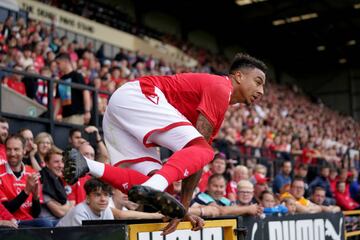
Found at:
<point>50,120</point>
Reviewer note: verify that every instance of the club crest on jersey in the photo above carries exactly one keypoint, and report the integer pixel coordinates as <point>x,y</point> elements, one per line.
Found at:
<point>153,98</point>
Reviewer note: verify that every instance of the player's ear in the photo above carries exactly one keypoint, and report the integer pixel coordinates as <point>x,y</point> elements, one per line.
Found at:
<point>238,76</point>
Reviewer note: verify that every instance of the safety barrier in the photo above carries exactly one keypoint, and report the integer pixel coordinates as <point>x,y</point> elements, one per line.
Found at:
<point>321,226</point>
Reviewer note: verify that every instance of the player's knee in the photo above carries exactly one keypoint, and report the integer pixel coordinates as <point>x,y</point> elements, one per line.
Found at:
<point>203,148</point>
<point>198,142</point>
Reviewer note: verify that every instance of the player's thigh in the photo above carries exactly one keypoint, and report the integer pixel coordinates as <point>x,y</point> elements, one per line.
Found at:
<point>176,138</point>
<point>125,148</point>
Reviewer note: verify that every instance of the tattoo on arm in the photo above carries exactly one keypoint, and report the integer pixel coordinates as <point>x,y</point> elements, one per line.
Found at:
<point>204,127</point>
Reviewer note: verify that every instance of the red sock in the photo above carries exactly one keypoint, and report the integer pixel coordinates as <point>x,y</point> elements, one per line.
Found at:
<point>122,178</point>
<point>187,161</point>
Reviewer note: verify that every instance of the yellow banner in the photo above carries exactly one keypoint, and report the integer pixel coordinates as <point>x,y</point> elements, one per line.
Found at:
<point>213,229</point>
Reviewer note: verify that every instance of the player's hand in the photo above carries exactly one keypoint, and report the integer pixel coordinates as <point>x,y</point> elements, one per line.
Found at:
<point>196,222</point>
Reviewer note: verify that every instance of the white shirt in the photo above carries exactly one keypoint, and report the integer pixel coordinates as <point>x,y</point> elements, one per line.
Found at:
<point>83,212</point>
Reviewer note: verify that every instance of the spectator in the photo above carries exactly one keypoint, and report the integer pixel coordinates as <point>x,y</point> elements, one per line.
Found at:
<point>102,153</point>
<point>20,191</point>
<point>297,190</point>
<point>6,218</point>
<point>95,207</point>
<point>78,192</point>
<point>55,203</point>
<point>15,82</point>
<point>333,179</point>
<point>290,204</point>
<point>354,185</point>
<point>240,173</point>
<point>243,206</point>
<point>322,181</point>
<point>283,177</point>
<point>76,103</point>
<point>343,198</point>
<point>4,132</point>
<point>267,201</point>
<point>302,171</point>
<point>245,193</point>
<point>216,166</point>
<point>30,149</point>
<point>42,86</point>
<point>260,186</point>
<point>8,24</point>
<point>30,82</point>
<point>44,143</point>
<point>75,139</point>
<point>215,194</point>
<point>319,197</point>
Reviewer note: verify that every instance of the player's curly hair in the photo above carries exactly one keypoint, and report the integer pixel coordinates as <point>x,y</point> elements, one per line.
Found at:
<point>243,60</point>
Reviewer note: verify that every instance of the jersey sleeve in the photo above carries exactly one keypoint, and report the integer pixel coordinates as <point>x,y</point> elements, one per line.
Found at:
<point>214,103</point>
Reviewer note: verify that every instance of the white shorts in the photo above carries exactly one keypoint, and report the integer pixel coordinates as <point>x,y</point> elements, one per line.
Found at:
<point>134,125</point>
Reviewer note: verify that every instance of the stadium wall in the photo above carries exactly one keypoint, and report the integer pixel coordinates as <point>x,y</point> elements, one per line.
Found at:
<point>103,33</point>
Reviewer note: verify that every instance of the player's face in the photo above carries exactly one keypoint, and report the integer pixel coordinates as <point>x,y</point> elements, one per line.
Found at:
<point>250,87</point>
<point>14,152</point>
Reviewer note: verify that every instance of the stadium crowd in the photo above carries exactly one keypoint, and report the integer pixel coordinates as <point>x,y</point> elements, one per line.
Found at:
<point>286,154</point>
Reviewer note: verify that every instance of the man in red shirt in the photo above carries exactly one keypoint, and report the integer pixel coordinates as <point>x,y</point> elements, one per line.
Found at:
<point>4,132</point>
<point>183,113</point>
<point>20,190</point>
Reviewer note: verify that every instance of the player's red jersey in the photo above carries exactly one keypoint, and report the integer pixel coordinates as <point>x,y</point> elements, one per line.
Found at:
<point>10,187</point>
<point>192,93</point>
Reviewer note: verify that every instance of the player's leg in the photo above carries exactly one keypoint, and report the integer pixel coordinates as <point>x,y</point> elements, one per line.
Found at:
<point>124,151</point>
<point>76,166</point>
<point>191,154</point>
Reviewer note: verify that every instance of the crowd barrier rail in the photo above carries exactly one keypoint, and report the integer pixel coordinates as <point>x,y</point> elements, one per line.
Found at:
<point>320,226</point>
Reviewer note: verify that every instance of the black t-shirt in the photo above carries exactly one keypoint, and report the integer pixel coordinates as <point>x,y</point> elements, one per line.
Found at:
<point>76,105</point>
